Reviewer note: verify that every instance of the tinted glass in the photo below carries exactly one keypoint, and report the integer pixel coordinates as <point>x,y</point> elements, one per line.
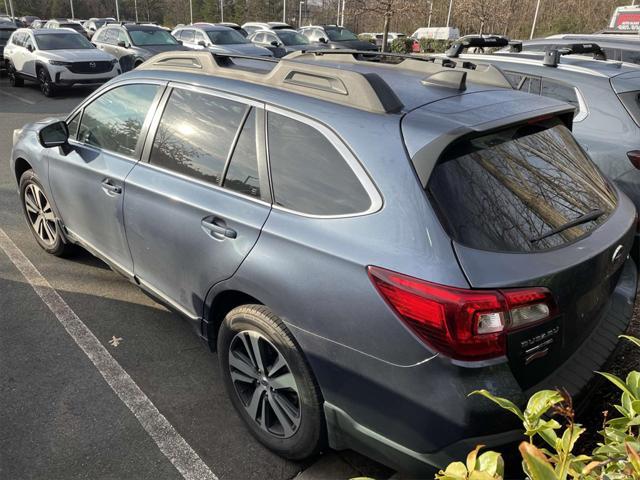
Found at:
<point>4,36</point>
<point>113,121</point>
<point>62,41</point>
<point>73,26</point>
<point>226,37</point>
<point>505,190</point>
<point>339,34</point>
<point>631,56</point>
<point>242,175</point>
<point>73,126</point>
<point>309,174</point>
<point>291,37</point>
<point>560,91</point>
<point>196,133</point>
<point>152,37</point>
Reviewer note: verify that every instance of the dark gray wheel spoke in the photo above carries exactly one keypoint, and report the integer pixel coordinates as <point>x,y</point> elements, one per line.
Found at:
<point>254,404</point>
<point>265,383</point>
<point>285,419</point>
<point>243,365</point>
<point>283,381</point>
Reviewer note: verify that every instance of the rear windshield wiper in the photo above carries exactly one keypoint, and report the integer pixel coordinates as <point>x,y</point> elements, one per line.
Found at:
<point>587,217</point>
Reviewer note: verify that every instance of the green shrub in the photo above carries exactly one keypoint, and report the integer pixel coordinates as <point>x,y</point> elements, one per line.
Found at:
<point>401,45</point>
<point>615,458</point>
<point>428,45</point>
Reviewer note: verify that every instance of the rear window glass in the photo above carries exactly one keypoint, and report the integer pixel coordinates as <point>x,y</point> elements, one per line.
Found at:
<point>511,190</point>
<point>631,101</point>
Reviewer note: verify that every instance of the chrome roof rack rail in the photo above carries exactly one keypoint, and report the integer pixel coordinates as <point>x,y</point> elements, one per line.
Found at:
<point>476,72</point>
<point>365,91</point>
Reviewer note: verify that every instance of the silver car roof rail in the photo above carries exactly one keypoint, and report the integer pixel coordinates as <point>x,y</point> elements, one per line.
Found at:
<point>365,91</point>
<point>435,68</point>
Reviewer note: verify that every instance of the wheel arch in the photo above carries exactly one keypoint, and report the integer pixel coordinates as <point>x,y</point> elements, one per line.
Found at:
<point>21,166</point>
<point>218,307</point>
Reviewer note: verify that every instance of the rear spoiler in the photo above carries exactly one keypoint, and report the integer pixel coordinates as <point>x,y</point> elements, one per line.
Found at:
<point>492,41</point>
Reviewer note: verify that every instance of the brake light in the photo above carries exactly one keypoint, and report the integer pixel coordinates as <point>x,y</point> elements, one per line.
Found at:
<point>634,158</point>
<point>463,324</point>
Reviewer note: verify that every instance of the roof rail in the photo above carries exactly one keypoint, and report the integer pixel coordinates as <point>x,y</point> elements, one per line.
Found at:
<point>479,73</point>
<point>582,48</point>
<point>365,91</point>
<point>479,42</point>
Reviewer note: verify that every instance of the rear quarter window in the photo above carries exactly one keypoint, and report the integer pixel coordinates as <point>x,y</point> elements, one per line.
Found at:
<point>506,190</point>
<point>309,174</point>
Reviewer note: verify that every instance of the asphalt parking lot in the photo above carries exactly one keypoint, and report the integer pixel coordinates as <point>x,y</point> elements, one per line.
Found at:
<point>59,416</point>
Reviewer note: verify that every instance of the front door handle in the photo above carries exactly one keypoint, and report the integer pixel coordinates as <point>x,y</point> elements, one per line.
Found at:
<point>219,230</point>
<point>108,187</point>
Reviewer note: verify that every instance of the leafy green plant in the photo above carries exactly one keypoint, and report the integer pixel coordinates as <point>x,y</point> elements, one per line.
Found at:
<point>548,421</point>
<point>401,45</point>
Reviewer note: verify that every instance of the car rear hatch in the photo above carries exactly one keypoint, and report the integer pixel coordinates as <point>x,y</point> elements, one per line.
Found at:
<point>525,207</point>
<point>627,88</point>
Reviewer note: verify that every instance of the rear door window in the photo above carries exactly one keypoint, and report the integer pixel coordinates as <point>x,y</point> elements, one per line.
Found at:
<point>188,36</point>
<point>196,133</point>
<point>242,174</point>
<point>508,191</point>
<point>309,175</point>
<point>560,91</point>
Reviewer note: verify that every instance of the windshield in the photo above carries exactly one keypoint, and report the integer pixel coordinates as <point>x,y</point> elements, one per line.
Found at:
<point>62,41</point>
<point>511,190</point>
<point>226,37</point>
<point>99,23</point>
<point>152,37</point>
<point>339,34</point>
<point>73,26</point>
<point>291,37</point>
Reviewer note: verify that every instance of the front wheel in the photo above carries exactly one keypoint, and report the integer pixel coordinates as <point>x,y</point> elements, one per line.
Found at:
<point>269,382</point>
<point>40,216</point>
<point>47,87</point>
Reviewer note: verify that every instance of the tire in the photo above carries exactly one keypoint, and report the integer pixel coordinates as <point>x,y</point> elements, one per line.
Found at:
<point>290,388</point>
<point>47,87</point>
<point>36,205</point>
<point>14,80</point>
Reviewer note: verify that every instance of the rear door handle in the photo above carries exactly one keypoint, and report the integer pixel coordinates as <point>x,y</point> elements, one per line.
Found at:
<point>219,230</point>
<point>108,187</point>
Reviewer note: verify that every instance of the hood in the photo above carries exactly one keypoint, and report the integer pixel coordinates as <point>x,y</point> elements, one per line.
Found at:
<point>242,49</point>
<point>354,45</point>
<point>79,55</point>
<point>306,48</point>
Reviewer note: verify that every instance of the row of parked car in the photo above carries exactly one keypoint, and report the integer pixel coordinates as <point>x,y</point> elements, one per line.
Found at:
<point>363,242</point>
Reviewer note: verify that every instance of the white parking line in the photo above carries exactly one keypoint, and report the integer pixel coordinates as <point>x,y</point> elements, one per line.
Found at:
<point>30,102</point>
<point>169,441</point>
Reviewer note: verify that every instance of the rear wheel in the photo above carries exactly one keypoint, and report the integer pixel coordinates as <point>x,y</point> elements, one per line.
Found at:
<point>40,216</point>
<point>14,80</point>
<point>47,87</point>
<point>270,383</point>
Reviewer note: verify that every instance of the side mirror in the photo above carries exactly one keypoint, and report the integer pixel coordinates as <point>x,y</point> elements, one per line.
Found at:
<point>275,44</point>
<point>122,44</point>
<point>180,42</point>
<point>322,40</point>
<point>54,135</point>
<point>30,48</point>
<point>202,43</point>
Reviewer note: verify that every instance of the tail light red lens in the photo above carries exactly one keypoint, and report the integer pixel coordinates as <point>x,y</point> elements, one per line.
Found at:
<point>464,324</point>
<point>634,158</point>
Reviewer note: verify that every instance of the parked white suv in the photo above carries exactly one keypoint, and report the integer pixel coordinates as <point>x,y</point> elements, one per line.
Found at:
<point>56,57</point>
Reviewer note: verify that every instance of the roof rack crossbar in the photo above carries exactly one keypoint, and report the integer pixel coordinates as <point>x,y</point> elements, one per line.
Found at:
<point>461,45</point>
<point>363,91</point>
<point>479,73</point>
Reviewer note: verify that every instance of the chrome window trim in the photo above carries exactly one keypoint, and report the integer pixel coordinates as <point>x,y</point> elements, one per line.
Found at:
<point>583,110</point>
<point>375,198</point>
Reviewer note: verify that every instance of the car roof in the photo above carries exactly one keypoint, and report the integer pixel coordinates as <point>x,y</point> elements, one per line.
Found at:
<point>136,26</point>
<point>206,28</point>
<point>50,31</point>
<point>409,85</point>
<point>600,40</point>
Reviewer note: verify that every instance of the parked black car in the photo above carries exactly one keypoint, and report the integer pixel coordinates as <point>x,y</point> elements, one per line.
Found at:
<point>6,29</point>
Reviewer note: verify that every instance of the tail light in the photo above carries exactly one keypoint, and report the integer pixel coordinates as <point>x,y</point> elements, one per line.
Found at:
<point>463,324</point>
<point>634,158</point>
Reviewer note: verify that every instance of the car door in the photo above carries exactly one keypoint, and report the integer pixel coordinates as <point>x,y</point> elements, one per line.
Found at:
<point>29,57</point>
<point>88,181</point>
<point>195,208</point>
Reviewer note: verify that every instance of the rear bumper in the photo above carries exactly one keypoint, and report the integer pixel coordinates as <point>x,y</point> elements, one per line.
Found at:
<point>418,417</point>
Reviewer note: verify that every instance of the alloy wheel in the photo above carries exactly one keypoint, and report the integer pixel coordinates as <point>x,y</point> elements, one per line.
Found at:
<point>45,83</point>
<point>264,383</point>
<point>40,214</point>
